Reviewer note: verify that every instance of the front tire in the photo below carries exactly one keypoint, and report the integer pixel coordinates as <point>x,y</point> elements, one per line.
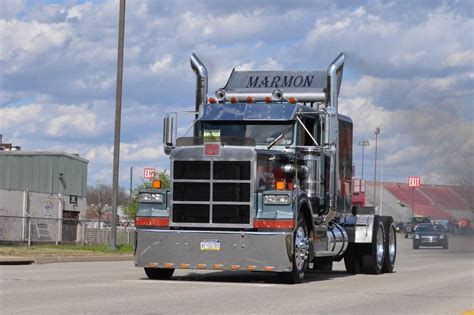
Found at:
<point>300,254</point>
<point>159,273</point>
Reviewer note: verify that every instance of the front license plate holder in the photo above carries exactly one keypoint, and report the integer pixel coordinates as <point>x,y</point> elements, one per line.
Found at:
<point>210,245</point>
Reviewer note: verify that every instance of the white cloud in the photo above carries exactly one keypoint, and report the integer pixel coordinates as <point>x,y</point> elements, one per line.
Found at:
<point>73,121</point>
<point>162,65</point>
<point>461,58</point>
<point>20,39</point>
<point>11,117</point>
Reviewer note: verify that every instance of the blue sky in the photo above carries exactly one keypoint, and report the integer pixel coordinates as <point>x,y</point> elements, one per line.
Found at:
<point>409,69</point>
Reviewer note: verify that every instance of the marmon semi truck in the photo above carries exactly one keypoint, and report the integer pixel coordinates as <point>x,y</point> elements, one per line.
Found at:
<point>263,184</point>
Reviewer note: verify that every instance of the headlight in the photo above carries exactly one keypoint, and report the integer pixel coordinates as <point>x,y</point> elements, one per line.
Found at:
<point>148,197</point>
<point>441,236</point>
<point>417,236</point>
<point>276,199</point>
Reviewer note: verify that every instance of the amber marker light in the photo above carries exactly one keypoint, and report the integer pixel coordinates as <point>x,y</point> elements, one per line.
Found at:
<point>234,100</point>
<point>267,99</point>
<point>292,100</point>
<point>250,99</point>
<point>157,184</point>
<point>201,266</point>
<point>280,185</point>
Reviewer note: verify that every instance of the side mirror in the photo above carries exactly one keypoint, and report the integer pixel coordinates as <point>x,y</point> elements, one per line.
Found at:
<point>168,130</point>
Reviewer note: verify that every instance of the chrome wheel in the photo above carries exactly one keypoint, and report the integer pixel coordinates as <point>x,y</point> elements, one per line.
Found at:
<point>380,250</point>
<point>392,246</point>
<point>301,248</point>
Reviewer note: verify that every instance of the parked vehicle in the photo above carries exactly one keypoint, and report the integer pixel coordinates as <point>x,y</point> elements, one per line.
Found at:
<point>264,184</point>
<point>428,234</point>
<point>410,225</point>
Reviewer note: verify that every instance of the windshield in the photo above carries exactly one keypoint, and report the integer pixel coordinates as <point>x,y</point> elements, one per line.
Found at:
<point>262,132</point>
<point>420,220</point>
<point>429,228</point>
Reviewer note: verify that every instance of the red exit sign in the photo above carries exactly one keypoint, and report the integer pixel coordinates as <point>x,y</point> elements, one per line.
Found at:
<point>414,181</point>
<point>149,173</point>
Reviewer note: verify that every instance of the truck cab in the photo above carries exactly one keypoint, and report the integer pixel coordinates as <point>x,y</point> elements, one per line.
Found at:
<point>263,184</point>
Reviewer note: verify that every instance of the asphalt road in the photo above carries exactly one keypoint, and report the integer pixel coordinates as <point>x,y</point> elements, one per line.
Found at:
<point>426,281</point>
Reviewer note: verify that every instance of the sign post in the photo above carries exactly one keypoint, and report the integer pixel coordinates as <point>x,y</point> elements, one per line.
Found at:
<point>413,181</point>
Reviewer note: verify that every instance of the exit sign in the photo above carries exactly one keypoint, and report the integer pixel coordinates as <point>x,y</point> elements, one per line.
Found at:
<point>149,173</point>
<point>414,181</point>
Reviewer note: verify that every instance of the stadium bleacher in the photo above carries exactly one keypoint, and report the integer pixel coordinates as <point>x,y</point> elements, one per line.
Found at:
<point>424,204</point>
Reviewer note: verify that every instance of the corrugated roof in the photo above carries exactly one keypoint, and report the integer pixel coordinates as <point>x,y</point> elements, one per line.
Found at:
<point>44,153</point>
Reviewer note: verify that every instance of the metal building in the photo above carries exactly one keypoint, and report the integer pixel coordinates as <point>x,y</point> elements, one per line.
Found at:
<point>42,195</point>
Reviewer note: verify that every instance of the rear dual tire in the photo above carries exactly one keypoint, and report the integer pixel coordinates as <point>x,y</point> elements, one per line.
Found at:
<point>378,256</point>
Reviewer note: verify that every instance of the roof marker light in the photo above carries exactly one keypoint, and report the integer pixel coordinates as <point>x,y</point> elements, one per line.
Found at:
<point>292,100</point>
<point>212,100</point>
<point>234,100</point>
<point>268,99</point>
<point>250,99</point>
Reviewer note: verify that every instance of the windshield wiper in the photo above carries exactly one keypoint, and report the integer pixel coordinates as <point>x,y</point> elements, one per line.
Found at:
<point>279,137</point>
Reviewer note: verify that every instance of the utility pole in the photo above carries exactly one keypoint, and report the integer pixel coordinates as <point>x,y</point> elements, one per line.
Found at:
<point>131,183</point>
<point>118,118</point>
<point>377,132</point>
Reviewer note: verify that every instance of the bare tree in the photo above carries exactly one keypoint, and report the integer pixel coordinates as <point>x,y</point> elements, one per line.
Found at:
<point>466,183</point>
<point>99,197</point>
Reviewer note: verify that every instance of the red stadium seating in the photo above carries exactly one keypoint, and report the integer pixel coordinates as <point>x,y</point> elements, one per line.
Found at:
<point>444,197</point>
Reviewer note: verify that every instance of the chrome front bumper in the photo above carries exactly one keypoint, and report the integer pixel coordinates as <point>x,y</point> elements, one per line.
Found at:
<point>181,249</point>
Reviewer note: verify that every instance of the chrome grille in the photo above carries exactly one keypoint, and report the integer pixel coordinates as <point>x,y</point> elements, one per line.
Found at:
<point>212,192</point>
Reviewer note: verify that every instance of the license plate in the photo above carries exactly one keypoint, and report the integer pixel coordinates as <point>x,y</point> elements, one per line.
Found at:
<point>210,245</point>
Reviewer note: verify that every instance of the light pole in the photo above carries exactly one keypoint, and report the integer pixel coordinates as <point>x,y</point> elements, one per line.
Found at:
<point>118,119</point>
<point>377,132</point>
<point>364,143</point>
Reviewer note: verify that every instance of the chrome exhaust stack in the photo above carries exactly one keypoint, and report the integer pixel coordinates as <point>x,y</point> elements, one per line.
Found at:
<point>201,81</point>
<point>331,141</point>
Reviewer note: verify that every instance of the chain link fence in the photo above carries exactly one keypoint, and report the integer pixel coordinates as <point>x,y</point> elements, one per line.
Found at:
<point>42,230</point>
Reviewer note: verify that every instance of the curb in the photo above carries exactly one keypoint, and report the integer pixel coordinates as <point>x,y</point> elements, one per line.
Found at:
<point>60,259</point>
